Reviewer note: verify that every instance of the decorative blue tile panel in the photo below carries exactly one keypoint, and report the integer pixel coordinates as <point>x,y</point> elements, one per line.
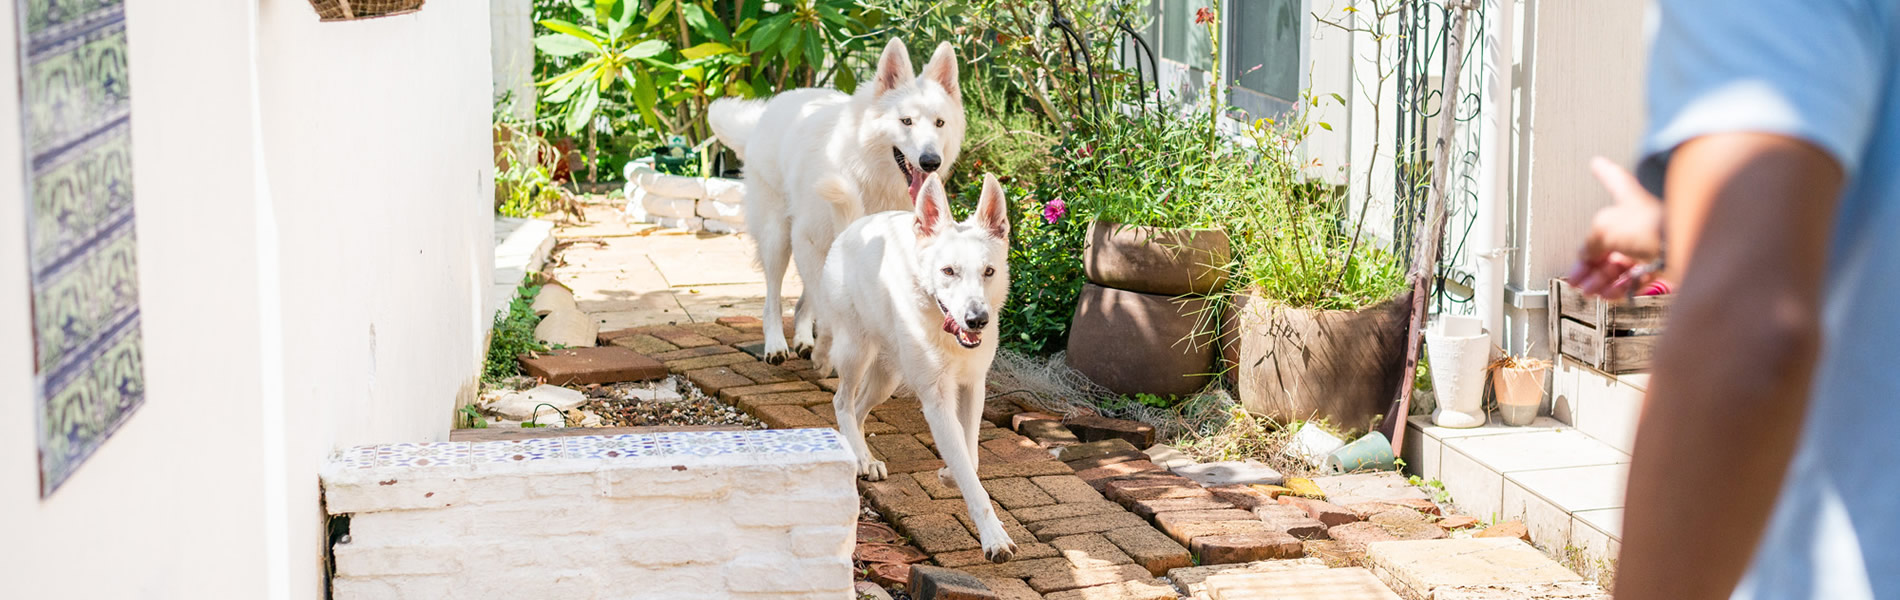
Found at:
<point>591,448</point>
<point>82,246</point>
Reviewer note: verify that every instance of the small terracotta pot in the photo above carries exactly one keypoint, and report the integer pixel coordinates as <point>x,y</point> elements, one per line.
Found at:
<point>1520,393</point>
<point>1156,260</point>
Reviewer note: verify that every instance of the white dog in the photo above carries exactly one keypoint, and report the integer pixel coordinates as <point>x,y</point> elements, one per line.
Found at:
<point>817,159</point>
<point>893,281</point>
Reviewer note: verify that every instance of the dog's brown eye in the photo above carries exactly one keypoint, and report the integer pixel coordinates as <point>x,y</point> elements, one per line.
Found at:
<point>949,271</point>
<point>906,121</point>
<point>939,122</point>
<point>988,271</point>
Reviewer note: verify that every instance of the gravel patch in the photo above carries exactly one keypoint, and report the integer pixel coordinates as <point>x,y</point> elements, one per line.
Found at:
<point>670,402</point>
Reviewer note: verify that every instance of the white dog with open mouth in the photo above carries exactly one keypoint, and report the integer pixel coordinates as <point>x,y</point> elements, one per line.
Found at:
<point>893,282</point>
<point>817,159</point>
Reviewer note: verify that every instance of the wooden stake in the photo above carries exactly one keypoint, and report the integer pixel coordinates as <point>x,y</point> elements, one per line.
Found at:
<point>1425,247</point>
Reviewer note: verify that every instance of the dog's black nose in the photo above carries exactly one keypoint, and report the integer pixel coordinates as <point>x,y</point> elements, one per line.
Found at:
<point>930,161</point>
<point>977,320</point>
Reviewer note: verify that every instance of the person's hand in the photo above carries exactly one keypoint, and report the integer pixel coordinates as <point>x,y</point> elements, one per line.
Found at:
<point>1625,237</point>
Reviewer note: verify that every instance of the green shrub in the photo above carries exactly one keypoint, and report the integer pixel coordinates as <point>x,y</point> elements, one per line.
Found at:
<point>513,335</point>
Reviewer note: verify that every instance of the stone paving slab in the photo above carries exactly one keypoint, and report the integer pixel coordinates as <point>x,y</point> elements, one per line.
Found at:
<point>1328,584</point>
<point>1416,568</point>
<point>1192,581</point>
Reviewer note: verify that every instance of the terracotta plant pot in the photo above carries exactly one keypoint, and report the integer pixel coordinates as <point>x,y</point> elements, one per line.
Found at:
<point>1154,260</point>
<point>1293,364</point>
<point>1520,393</point>
<point>1135,343</point>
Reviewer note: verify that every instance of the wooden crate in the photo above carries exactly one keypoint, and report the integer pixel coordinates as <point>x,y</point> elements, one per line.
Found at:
<point>1616,338</point>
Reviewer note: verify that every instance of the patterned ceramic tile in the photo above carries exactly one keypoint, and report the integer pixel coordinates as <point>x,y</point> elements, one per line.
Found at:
<point>426,455</point>
<point>592,448</point>
<point>81,237</point>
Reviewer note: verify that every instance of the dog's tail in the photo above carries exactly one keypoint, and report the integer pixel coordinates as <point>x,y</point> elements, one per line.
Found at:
<point>733,120</point>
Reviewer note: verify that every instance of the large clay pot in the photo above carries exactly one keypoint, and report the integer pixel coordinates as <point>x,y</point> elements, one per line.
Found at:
<point>1135,343</point>
<point>1293,364</point>
<point>1154,260</point>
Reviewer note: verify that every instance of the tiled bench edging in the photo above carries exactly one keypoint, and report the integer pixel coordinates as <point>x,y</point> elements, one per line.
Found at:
<point>713,514</point>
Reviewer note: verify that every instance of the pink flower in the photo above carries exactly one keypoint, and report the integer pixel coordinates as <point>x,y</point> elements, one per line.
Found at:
<point>1054,210</point>
<point>1203,16</point>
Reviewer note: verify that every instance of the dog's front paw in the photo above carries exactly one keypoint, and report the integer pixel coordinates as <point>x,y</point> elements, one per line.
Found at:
<point>1000,552</point>
<point>802,349</point>
<point>873,470</point>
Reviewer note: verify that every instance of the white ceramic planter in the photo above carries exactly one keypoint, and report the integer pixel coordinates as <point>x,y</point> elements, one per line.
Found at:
<point>710,204</point>
<point>1459,350</point>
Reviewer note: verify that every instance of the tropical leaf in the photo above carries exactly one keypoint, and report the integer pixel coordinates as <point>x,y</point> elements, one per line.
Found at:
<point>582,111</point>
<point>768,32</point>
<point>560,26</point>
<point>561,44</point>
<point>705,50</point>
<point>704,23</point>
<point>659,12</point>
<point>644,49</point>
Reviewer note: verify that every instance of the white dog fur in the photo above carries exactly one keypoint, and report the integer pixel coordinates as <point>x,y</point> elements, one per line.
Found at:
<point>911,297</point>
<point>817,159</point>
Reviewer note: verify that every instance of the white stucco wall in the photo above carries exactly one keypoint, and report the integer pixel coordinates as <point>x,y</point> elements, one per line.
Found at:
<point>511,27</point>
<point>377,249</point>
<point>1581,74</point>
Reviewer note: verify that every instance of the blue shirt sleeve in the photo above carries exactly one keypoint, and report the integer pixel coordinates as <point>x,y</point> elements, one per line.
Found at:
<point>1811,70</point>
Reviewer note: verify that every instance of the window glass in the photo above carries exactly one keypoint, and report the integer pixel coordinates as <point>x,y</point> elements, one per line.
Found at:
<point>1183,40</point>
<point>1267,35</point>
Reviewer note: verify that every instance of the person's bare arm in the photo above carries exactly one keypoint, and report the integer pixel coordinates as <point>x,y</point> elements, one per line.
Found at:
<point>1748,219</point>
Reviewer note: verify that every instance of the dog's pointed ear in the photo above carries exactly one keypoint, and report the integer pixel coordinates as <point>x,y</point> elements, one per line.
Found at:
<point>893,68</point>
<point>992,210</point>
<point>933,207</point>
<point>942,69</point>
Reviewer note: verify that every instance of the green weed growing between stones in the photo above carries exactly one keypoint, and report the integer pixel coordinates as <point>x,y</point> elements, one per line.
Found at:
<point>513,335</point>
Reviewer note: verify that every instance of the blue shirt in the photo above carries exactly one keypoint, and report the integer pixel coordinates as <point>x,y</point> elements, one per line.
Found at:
<point>1823,71</point>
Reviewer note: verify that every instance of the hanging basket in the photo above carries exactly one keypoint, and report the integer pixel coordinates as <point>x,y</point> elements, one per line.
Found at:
<point>351,10</point>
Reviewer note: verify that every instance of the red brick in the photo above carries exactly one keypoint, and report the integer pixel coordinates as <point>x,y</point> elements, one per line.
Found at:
<point>1507,529</point>
<point>1359,534</point>
<point>693,353</point>
<point>1016,448</point>
<point>1245,547</point>
<point>716,379</point>
<point>1149,508</point>
<point>1017,420</point>
<point>764,373</point>
<point>740,322</point>
<point>1093,428</point>
<point>1291,520</point>
<point>938,583</point>
<point>1243,496</point>
<point>731,395</point>
<point>1096,448</point>
<point>701,362</point>
<point>1332,515</point>
<point>1022,469</point>
<point>1129,491</point>
<point>1067,489</point>
<point>1000,411</point>
<point>611,364</point>
<point>1458,522</point>
<point>936,533</point>
<point>786,416</point>
<point>1174,523</point>
<point>642,343</point>
<point>872,552</point>
<point>1099,477</point>
<point>1063,579</point>
<point>684,338</point>
<point>1050,434</point>
<point>1094,462</point>
<point>1090,550</point>
<point>1052,529</point>
<point>711,330</point>
<point>1065,511</point>
<point>1188,531</point>
<point>1150,549</point>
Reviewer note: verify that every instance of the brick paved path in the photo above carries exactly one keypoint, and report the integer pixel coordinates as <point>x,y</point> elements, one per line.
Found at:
<point>1094,518</point>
